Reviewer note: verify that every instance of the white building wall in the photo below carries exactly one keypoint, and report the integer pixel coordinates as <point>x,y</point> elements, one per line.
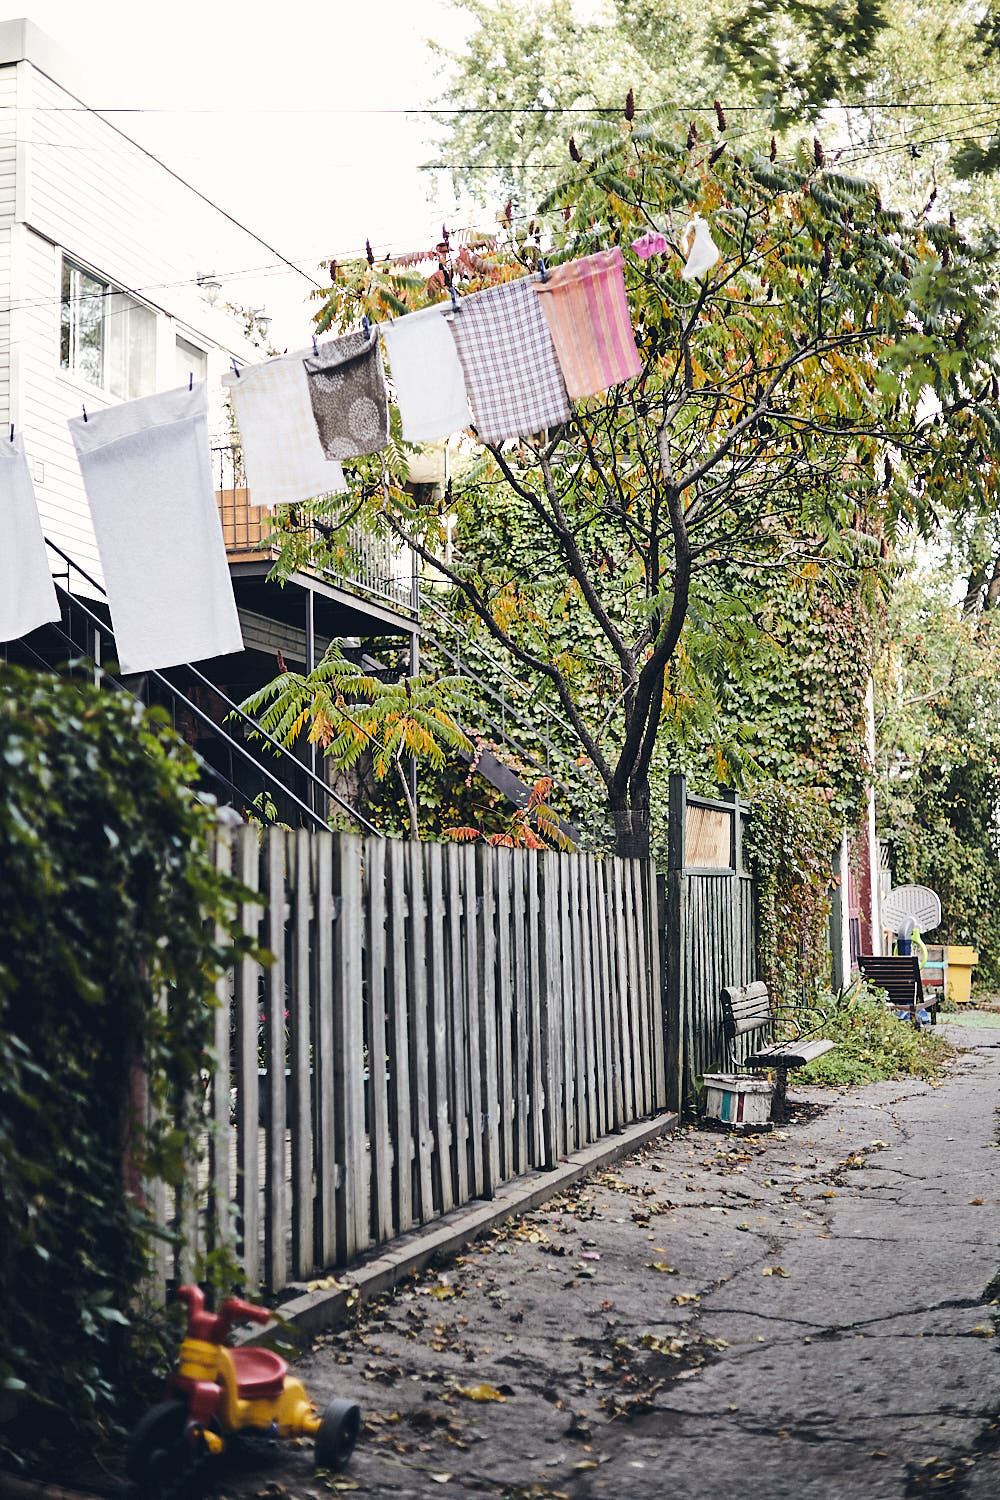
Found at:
<point>74,184</point>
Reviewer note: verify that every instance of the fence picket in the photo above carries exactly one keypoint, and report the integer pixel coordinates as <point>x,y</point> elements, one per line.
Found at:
<point>300,1005</point>
<point>276,1225</point>
<point>323,1061</point>
<point>221,1230</point>
<point>537,1047</point>
<point>380,1155</point>
<point>438,1054</point>
<point>470,927</point>
<point>550,1009</point>
<point>349,1041</point>
<point>521,1061</point>
<point>503,869</point>
<point>486,892</point>
<point>400,1119</point>
<point>458,1093</point>
<point>248,1148</point>
<point>419,1069</point>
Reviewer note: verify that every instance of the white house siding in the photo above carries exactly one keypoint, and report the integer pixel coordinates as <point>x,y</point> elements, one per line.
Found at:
<point>8,99</point>
<point>77,186</point>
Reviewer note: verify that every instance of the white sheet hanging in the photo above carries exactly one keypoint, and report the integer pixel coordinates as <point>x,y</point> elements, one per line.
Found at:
<point>282,456</point>
<point>426,373</point>
<point>147,471</point>
<point>27,593</point>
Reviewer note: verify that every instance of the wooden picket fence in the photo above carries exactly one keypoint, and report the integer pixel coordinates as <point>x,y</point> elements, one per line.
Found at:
<point>437,1020</point>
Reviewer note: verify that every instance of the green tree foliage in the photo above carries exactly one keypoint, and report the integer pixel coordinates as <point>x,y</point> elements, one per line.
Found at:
<point>908,88</point>
<point>351,714</point>
<point>528,75</point>
<point>106,884</point>
<point>938,786</point>
<point>755,443</point>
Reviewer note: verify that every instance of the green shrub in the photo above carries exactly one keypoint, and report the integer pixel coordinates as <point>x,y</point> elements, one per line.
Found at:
<point>108,900</point>
<point>872,1043</point>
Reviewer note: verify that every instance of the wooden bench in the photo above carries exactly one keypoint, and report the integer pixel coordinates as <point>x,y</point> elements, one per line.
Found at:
<point>749,1008</point>
<point>900,978</point>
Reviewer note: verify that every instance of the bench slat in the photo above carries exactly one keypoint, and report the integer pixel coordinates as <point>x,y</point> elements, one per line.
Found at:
<point>746,1008</point>
<point>790,1054</point>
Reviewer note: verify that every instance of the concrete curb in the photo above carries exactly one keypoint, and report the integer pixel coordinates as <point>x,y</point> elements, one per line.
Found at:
<point>313,1311</point>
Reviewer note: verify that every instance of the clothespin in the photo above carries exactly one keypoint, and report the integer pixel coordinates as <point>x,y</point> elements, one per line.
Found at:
<point>190,380</point>
<point>543,268</point>
<point>12,432</point>
<point>315,345</point>
<point>366,328</point>
<point>454,299</point>
<point>85,414</point>
<point>235,366</point>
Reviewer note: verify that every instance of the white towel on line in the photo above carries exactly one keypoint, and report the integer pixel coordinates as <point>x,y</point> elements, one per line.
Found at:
<point>147,471</point>
<point>27,593</point>
<point>282,456</point>
<point>426,373</point>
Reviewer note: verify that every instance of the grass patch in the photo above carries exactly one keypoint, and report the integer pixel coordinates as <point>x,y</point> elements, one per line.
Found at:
<point>871,1043</point>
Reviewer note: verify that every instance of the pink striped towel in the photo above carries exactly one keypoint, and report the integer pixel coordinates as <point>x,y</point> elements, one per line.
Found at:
<point>587,312</point>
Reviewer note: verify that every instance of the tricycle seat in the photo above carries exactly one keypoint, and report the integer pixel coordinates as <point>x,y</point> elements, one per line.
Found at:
<point>260,1373</point>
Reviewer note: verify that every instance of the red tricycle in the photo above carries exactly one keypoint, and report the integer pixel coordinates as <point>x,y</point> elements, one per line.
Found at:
<point>218,1390</point>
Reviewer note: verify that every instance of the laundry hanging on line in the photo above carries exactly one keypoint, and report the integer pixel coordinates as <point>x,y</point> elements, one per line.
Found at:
<point>282,457</point>
<point>586,309</point>
<point>147,471</point>
<point>27,593</point>
<point>347,390</point>
<point>427,375</point>
<point>512,372</point>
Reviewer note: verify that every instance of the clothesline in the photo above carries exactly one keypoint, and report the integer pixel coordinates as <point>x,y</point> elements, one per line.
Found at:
<point>507,360</point>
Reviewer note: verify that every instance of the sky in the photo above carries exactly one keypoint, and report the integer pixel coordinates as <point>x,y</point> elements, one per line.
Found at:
<point>287,113</point>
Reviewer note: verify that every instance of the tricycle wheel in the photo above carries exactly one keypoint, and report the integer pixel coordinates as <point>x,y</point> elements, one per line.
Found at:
<point>338,1432</point>
<point>161,1459</point>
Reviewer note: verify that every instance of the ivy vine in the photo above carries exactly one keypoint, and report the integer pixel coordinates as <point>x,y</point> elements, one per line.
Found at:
<point>110,903</point>
<point>789,845</point>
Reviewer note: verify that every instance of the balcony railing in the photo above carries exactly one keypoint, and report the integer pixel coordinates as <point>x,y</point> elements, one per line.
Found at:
<point>376,567</point>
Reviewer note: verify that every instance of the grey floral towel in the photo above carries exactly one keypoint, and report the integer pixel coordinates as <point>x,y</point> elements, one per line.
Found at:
<point>511,369</point>
<point>347,391</point>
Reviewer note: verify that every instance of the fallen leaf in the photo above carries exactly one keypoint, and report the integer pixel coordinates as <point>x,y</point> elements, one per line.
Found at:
<point>481,1392</point>
<point>589,1255</point>
<point>975,1200</point>
<point>774,1271</point>
<point>828,1195</point>
<point>661,1265</point>
<point>684,1297</point>
<point>440,1478</point>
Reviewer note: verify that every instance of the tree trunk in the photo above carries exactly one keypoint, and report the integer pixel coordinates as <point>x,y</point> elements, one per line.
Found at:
<point>631,820</point>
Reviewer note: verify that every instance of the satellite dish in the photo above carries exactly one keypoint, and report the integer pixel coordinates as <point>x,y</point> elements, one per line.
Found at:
<point>918,902</point>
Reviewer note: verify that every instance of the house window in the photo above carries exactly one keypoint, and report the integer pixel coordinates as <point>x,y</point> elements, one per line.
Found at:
<point>106,337</point>
<point>190,361</point>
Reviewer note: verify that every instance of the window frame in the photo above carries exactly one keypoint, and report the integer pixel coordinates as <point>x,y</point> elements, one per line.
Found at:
<point>71,303</point>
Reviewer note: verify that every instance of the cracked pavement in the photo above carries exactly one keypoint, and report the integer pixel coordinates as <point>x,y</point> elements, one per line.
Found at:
<point>806,1313</point>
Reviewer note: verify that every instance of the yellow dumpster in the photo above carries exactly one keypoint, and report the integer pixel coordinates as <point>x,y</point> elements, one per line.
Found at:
<point>960,964</point>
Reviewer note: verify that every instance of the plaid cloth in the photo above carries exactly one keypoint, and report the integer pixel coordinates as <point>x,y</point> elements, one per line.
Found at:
<point>347,391</point>
<point>587,312</point>
<point>511,371</point>
<point>282,456</point>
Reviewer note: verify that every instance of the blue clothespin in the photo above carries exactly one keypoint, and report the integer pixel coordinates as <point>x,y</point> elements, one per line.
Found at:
<point>12,432</point>
<point>235,366</point>
<point>454,299</point>
<point>366,328</point>
<point>190,380</point>
<point>85,414</point>
<point>315,345</point>
<point>543,268</point>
